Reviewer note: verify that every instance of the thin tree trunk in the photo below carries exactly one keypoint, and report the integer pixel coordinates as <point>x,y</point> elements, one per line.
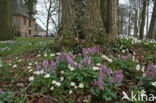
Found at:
<point>6,32</point>
<point>129,24</point>
<point>147,17</point>
<point>151,32</point>
<point>136,24</point>
<point>143,20</point>
<point>30,17</point>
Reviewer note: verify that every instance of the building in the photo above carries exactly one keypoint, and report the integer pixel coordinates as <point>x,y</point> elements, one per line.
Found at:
<point>39,31</point>
<point>21,20</point>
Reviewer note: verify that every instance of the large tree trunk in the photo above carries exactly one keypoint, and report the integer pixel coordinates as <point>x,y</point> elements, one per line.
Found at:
<point>152,27</point>
<point>112,18</point>
<point>6,32</point>
<point>103,6</point>
<point>143,19</point>
<point>81,22</point>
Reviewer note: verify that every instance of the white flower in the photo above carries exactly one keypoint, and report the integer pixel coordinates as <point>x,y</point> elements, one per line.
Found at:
<point>58,84</point>
<point>30,64</point>
<point>81,85</point>
<point>154,83</point>
<point>137,61</point>
<point>30,70</point>
<point>133,58</point>
<point>98,64</point>
<point>52,88</point>
<point>14,66</point>
<point>105,57</point>
<point>75,87</point>
<point>53,82</point>
<point>71,68</point>
<point>70,92</point>
<point>42,71</point>
<point>39,55</point>
<point>47,76</point>
<point>144,75</point>
<point>36,72</point>
<point>0,65</point>
<point>138,67</point>
<point>143,69</point>
<point>143,92</point>
<point>95,68</point>
<point>19,60</point>
<point>58,53</point>
<point>62,72</point>
<point>134,53</point>
<point>62,78</point>
<point>72,84</point>
<point>29,67</point>
<point>31,78</point>
<point>45,55</point>
<point>123,51</point>
<point>52,55</point>
<point>36,62</point>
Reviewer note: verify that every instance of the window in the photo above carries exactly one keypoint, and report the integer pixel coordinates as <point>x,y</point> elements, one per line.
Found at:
<point>24,21</point>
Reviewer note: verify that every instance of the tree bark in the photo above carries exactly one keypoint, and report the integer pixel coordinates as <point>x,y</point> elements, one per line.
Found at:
<point>143,19</point>
<point>30,17</point>
<point>6,32</point>
<point>136,23</point>
<point>81,23</point>
<point>152,31</point>
<point>112,18</point>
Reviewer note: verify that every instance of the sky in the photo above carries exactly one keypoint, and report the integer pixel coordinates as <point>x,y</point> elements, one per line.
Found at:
<point>41,16</point>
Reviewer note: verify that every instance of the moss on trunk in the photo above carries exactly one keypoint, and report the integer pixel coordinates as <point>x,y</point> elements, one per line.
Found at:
<point>6,32</point>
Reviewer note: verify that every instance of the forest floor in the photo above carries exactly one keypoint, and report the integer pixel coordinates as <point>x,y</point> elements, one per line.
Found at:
<point>19,58</point>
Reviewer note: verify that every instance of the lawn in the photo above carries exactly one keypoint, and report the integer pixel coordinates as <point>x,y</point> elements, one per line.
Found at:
<point>32,72</point>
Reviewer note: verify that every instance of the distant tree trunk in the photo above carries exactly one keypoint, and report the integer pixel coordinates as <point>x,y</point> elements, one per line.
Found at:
<point>6,32</point>
<point>151,32</point>
<point>121,25</point>
<point>112,18</point>
<point>136,24</point>
<point>48,16</point>
<point>143,19</point>
<point>129,24</point>
<point>30,17</point>
<point>147,17</point>
<point>81,23</point>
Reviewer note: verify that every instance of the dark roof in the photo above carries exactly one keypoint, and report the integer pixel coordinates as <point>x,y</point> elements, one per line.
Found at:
<point>18,7</point>
<point>38,28</point>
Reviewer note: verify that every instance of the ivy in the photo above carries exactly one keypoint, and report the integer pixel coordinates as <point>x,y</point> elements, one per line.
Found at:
<point>79,13</point>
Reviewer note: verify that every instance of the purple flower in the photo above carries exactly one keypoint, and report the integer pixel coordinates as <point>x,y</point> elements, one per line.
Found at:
<point>52,66</point>
<point>37,67</point>
<point>1,90</point>
<point>66,57</point>
<point>113,77</point>
<point>90,51</point>
<point>150,71</point>
<point>45,64</point>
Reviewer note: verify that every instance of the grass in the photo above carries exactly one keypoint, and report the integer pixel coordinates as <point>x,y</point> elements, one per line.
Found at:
<point>23,45</point>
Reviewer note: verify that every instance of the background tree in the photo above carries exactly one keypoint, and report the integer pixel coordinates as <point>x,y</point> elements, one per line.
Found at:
<point>30,4</point>
<point>6,32</point>
<point>151,32</point>
<point>143,20</point>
